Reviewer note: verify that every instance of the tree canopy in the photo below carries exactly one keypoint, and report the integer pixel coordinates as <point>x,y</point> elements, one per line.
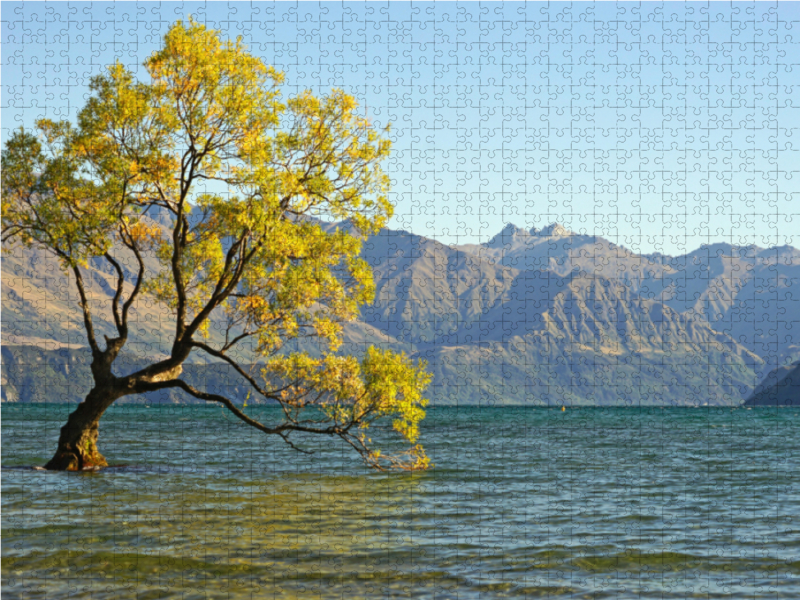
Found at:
<point>249,181</point>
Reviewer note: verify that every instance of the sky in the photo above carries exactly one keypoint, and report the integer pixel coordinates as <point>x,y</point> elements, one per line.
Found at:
<point>660,126</point>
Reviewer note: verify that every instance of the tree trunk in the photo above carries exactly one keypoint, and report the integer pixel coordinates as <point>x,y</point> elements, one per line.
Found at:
<point>77,444</point>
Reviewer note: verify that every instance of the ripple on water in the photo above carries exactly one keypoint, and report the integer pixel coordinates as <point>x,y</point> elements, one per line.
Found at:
<point>605,504</point>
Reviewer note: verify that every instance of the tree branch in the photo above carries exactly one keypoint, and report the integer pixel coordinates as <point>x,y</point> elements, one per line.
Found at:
<point>219,295</point>
<point>87,315</point>
<point>140,387</point>
<point>139,276</point>
<point>115,302</point>
<point>208,349</point>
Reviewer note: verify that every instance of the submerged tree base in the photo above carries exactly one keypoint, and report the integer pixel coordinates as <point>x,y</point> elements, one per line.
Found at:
<point>77,444</point>
<point>66,460</point>
<point>78,455</point>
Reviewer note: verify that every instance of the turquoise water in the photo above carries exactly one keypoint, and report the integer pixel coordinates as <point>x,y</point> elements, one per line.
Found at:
<point>522,503</point>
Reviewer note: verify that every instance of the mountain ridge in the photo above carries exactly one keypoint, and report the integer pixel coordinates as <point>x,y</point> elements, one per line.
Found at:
<point>589,320</point>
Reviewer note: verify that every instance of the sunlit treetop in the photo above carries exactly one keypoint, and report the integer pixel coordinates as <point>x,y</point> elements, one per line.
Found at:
<point>248,180</point>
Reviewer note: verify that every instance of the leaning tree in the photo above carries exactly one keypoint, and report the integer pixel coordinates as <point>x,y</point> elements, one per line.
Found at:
<point>248,182</point>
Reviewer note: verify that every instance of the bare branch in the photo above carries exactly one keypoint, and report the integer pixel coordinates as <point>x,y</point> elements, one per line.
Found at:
<point>221,355</point>
<point>117,295</point>
<point>285,438</point>
<point>145,386</point>
<point>131,244</point>
<point>87,315</point>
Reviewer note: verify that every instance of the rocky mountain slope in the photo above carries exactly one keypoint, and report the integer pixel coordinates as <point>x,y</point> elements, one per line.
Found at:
<point>747,292</point>
<point>540,317</point>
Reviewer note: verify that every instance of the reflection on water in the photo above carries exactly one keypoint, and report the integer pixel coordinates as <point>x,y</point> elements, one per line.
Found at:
<point>589,503</point>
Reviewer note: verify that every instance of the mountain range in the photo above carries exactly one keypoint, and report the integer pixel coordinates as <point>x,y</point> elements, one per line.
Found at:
<point>531,317</point>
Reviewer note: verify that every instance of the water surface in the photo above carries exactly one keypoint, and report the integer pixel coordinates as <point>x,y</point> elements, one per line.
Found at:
<point>536,503</point>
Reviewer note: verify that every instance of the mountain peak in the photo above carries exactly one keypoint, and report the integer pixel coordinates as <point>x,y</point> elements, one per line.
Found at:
<point>511,229</point>
<point>552,230</point>
<point>508,232</point>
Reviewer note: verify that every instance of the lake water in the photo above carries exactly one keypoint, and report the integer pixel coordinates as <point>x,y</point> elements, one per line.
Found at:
<point>522,503</point>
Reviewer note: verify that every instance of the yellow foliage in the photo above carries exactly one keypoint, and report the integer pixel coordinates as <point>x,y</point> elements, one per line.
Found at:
<point>353,394</point>
<point>144,234</point>
<point>252,252</point>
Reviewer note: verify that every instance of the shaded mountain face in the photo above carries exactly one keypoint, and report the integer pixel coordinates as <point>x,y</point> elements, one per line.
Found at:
<point>539,317</point>
<point>781,387</point>
<point>540,336</point>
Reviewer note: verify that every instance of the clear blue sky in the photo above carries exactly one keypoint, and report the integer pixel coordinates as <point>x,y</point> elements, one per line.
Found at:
<point>660,126</point>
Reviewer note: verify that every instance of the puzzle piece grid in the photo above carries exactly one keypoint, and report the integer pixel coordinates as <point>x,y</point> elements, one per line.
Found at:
<point>602,205</point>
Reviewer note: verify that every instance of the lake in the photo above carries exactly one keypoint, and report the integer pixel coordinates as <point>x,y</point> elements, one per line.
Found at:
<point>521,503</point>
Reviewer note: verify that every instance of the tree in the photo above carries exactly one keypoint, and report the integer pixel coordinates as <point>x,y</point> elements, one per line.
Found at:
<point>252,255</point>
